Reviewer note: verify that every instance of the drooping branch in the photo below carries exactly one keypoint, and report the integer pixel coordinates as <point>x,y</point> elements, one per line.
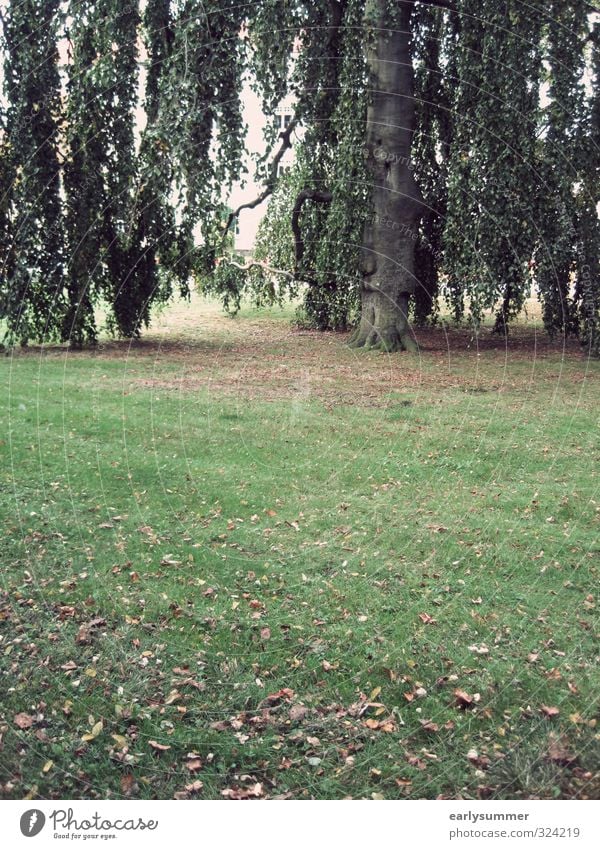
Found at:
<point>337,9</point>
<point>303,196</point>
<point>256,264</point>
<point>286,143</point>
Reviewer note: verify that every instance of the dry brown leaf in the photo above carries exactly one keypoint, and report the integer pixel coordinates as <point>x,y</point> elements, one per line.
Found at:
<point>173,696</point>
<point>23,721</point>
<point>158,747</point>
<point>253,792</point>
<point>128,784</point>
<point>84,635</point>
<point>298,712</point>
<point>427,619</point>
<point>463,699</point>
<point>284,694</point>
<point>558,752</point>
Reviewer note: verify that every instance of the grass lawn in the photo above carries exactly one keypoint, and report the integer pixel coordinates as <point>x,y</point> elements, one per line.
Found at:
<point>240,560</point>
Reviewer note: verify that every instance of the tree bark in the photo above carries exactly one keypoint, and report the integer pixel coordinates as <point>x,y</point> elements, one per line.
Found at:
<point>390,235</point>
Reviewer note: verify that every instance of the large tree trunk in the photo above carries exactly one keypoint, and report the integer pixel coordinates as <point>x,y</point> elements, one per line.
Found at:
<point>390,235</point>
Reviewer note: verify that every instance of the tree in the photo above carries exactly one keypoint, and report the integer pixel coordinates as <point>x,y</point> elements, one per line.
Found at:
<point>449,152</point>
<point>388,251</point>
<point>480,159</point>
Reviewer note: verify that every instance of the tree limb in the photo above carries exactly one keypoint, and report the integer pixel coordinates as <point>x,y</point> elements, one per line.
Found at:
<point>256,264</point>
<point>337,9</point>
<point>286,143</point>
<point>304,195</point>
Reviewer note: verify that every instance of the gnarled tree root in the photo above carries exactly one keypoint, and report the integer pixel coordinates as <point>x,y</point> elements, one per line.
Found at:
<point>389,342</point>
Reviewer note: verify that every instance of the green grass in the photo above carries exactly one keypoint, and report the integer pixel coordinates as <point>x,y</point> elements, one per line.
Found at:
<point>235,544</point>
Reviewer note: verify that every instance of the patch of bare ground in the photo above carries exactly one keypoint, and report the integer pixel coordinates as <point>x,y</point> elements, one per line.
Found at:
<point>194,347</point>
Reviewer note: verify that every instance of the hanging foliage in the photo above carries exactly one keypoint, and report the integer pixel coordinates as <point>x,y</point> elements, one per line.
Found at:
<point>435,72</point>
<point>559,156</point>
<point>490,230</point>
<point>32,251</point>
<point>587,203</point>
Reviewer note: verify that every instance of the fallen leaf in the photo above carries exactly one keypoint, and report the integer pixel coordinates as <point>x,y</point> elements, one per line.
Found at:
<point>158,747</point>
<point>128,784</point>
<point>96,730</point>
<point>427,619</point>
<point>173,696</point>
<point>283,694</point>
<point>463,699</point>
<point>558,752</point>
<point>549,711</point>
<point>253,792</point>
<point>169,560</point>
<point>84,635</point>
<point>190,682</point>
<point>298,712</point>
<point>482,649</point>
<point>23,721</point>
<point>428,725</point>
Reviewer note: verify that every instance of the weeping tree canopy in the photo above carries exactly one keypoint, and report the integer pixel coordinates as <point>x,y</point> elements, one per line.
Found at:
<point>446,155</point>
